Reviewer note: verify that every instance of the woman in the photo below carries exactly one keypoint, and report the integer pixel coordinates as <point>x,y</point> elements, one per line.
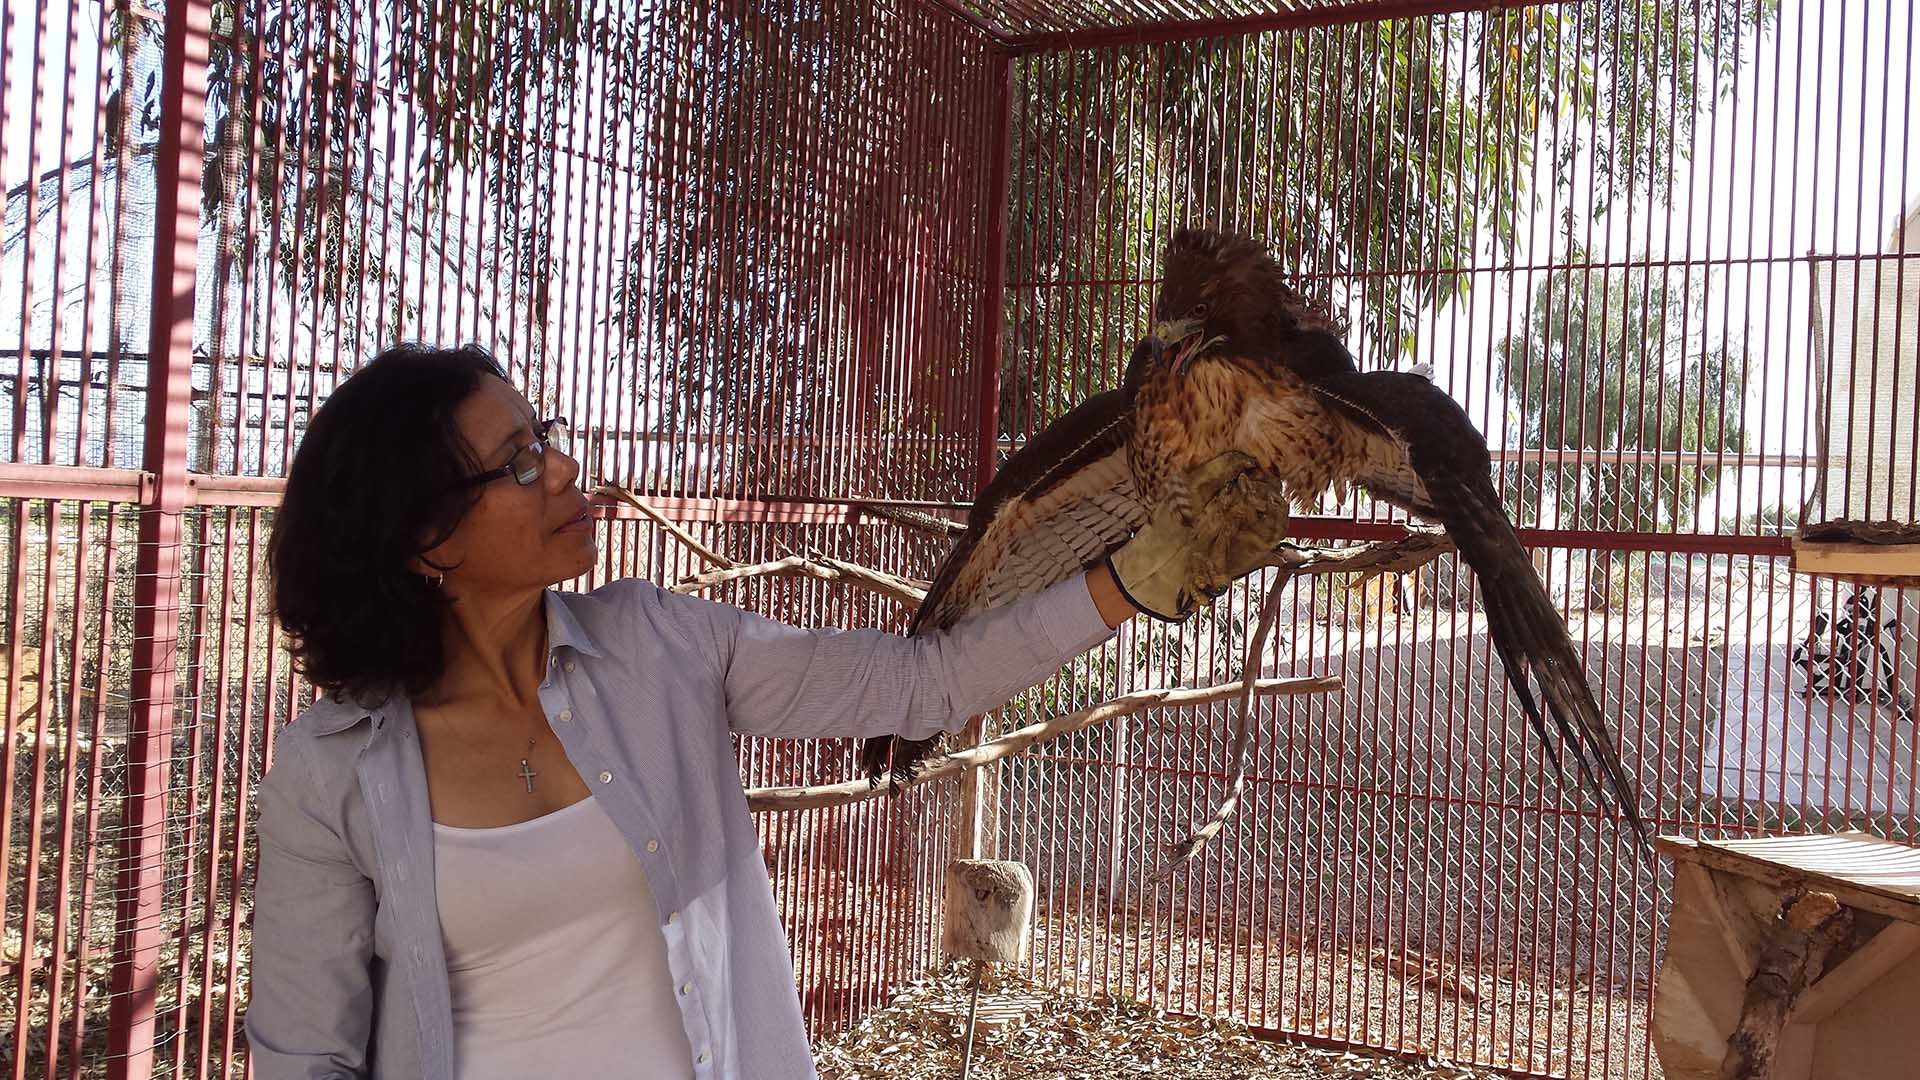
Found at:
<point>510,839</point>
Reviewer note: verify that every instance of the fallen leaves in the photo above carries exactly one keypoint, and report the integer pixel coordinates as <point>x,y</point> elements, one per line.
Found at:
<point>918,1038</point>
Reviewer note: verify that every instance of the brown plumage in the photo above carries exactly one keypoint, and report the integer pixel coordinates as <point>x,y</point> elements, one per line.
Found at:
<point>1263,372</point>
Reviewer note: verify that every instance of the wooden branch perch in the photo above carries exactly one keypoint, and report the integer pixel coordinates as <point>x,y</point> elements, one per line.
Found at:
<point>825,568</point>
<point>615,491</point>
<point>1397,556</point>
<point>1794,956</point>
<point>913,519</point>
<point>852,791</point>
<point>1849,530</point>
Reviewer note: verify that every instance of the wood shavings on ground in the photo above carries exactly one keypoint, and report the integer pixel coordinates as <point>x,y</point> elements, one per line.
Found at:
<point>918,1037</point>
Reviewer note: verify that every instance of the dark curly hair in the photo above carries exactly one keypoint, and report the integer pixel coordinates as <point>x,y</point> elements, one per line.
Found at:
<point>375,483</point>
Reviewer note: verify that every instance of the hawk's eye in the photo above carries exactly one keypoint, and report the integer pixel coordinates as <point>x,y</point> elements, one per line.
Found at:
<point>1200,310</point>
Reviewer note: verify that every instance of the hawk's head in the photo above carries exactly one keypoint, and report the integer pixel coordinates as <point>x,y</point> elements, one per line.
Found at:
<point>1228,291</point>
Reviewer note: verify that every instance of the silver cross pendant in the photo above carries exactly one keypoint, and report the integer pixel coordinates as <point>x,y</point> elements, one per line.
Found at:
<point>527,773</point>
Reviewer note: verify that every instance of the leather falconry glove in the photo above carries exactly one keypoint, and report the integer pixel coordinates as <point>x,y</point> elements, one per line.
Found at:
<point>1238,517</point>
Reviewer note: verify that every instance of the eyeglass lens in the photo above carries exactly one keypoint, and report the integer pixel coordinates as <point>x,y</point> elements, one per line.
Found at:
<point>531,461</point>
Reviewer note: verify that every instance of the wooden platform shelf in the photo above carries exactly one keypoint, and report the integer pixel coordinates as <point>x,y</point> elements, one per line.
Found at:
<point>1857,1017</point>
<point>1866,552</point>
<point>1872,564</point>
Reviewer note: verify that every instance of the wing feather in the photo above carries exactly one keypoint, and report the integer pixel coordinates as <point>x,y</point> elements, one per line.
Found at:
<point>1057,506</point>
<point>1424,455</point>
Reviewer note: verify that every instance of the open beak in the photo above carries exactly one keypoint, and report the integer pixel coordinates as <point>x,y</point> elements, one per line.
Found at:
<point>1185,334</point>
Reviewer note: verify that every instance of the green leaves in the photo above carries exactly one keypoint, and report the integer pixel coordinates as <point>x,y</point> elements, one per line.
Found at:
<point>328,97</point>
<point>1618,360</point>
<point>1379,159</point>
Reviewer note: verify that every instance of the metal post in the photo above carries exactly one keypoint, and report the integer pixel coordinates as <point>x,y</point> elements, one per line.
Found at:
<point>138,929</point>
<point>976,830</point>
<point>993,302</point>
<point>973,1016</point>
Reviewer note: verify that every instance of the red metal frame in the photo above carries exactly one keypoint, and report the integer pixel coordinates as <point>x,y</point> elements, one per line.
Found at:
<point>994,318</point>
<point>1463,785</point>
<point>1159,31</point>
<point>884,225</point>
<point>139,932</point>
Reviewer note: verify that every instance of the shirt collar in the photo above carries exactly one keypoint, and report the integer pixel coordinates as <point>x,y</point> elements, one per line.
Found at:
<point>330,717</point>
<point>564,629</point>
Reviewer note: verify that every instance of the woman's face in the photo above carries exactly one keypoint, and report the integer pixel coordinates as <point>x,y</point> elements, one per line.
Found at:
<point>517,537</point>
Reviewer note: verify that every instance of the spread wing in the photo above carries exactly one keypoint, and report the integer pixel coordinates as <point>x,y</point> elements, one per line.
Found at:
<point>1424,455</point>
<point>1055,508</point>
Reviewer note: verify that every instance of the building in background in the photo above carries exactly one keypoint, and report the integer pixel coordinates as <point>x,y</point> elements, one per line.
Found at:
<point>1867,336</point>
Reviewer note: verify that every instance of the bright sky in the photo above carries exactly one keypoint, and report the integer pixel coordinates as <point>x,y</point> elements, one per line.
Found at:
<point>1814,149</point>
<point>1817,148</point>
<point>51,64</point>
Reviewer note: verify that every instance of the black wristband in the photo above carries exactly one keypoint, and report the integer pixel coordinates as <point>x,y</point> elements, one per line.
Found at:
<point>1120,584</point>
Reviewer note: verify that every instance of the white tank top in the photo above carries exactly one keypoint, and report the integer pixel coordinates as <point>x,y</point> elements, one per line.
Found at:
<point>555,956</point>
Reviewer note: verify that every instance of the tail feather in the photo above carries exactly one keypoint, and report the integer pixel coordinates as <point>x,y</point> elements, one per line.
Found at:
<point>1531,640</point>
<point>895,757</point>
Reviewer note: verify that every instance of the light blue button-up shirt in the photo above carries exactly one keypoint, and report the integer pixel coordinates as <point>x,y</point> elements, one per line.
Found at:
<point>644,689</point>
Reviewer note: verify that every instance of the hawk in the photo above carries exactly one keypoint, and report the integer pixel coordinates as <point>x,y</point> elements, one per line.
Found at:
<point>1241,361</point>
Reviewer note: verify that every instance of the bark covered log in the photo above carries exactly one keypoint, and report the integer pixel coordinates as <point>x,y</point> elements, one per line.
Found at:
<point>1794,956</point>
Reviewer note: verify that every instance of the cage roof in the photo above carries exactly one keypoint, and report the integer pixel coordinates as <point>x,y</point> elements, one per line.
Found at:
<point>1032,24</point>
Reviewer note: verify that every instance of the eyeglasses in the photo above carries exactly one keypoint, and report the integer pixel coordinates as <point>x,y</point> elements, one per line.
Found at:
<point>529,462</point>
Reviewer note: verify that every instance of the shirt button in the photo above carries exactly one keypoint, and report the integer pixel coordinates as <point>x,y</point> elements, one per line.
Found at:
<point>685,989</point>
<point>672,917</point>
<point>568,665</point>
<point>653,845</point>
<point>606,778</point>
<point>566,716</point>
<point>702,1059</point>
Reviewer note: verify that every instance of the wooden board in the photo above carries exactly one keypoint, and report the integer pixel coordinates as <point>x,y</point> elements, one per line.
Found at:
<point>1854,1021</point>
<point>1869,563</point>
<point>1862,871</point>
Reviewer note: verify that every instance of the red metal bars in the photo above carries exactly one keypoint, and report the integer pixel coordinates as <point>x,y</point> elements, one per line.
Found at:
<point>143,847</point>
<point>1000,146</point>
<point>1121,27</point>
<point>747,254</point>
<point>1428,889</point>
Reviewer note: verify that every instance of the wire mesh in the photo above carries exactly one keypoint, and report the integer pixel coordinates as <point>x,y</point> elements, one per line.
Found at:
<point>737,247</point>
<point>1643,245</point>
<point>1660,250</point>
<point>1026,24</point>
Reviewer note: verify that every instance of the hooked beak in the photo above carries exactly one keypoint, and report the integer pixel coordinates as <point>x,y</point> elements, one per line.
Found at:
<point>1173,331</point>
<point>1185,333</point>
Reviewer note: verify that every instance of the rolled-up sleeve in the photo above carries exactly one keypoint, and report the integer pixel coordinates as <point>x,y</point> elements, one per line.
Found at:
<point>311,1009</point>
<point>789,682</point>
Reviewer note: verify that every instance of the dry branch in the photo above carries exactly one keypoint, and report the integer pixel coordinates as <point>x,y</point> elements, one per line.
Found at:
<point>1409,552</point>
<point>1370,560</point>
<point>706,553</point>
<point>851,791</point>
<point>824,568</point>
<point>918,520</point>
<point>1794,956</point>
<point>1852,531</point>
